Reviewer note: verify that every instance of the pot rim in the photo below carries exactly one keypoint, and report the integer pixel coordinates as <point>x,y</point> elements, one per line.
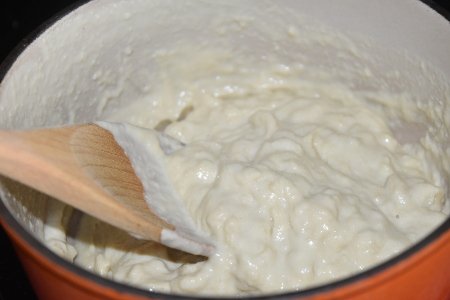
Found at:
<point>30,240</point>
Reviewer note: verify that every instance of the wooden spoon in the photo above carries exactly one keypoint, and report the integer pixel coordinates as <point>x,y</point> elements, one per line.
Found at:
<point>84,167</point>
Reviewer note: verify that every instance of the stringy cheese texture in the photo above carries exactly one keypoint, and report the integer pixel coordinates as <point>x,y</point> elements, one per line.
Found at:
<point>298,181</point>
<point>309,156</point>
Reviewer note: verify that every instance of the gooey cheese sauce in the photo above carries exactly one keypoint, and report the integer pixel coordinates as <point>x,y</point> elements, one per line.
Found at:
<point>299,182</point>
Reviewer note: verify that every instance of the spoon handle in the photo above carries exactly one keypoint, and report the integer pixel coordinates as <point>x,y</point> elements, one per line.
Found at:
<point>84,167</point>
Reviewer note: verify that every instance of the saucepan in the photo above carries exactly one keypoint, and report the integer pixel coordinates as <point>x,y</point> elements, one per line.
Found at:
<point>99,55</point>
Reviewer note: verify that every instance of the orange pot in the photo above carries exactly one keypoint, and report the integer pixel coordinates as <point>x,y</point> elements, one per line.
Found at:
<point>421,272</point>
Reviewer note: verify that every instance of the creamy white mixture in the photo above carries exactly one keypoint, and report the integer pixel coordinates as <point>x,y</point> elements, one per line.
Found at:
<point>298,182</point>
<point>309,155</point>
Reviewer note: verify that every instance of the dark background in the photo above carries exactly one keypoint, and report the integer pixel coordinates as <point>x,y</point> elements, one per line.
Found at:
<point>18,18</point>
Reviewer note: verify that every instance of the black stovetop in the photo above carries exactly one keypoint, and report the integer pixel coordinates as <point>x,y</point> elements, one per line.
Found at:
<point>17,19</point>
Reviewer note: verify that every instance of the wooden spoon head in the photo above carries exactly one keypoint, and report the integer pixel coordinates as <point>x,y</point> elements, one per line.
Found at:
<point>105,162</point>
